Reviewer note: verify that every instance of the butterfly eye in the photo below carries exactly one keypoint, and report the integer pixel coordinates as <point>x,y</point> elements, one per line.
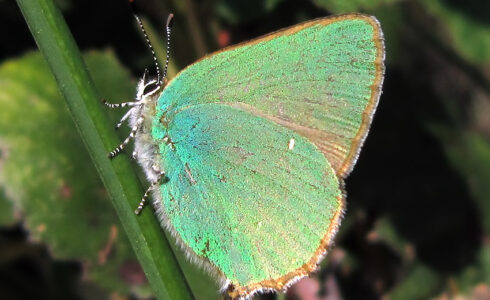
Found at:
<point>151,88</point>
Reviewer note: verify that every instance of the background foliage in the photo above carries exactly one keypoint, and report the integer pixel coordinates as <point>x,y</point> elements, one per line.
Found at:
<point>418,215</point>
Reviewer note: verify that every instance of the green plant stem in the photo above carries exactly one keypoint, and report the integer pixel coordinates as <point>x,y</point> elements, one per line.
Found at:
<point>60,51</point>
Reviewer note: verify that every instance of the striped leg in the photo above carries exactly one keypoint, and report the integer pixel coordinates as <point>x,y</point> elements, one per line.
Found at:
<point>147,193</point>
<point>124,118</point>
<point>126,141</point>
<point>124,104</point>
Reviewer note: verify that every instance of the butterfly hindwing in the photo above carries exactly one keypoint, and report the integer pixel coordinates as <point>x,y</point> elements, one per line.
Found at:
<point>236,185</point>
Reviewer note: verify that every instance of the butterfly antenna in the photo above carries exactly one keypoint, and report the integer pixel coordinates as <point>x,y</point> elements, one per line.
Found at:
<point>140,24</point>
<point>168,29</point>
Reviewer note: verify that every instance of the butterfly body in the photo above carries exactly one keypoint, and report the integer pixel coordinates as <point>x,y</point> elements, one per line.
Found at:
<point>254,142</point>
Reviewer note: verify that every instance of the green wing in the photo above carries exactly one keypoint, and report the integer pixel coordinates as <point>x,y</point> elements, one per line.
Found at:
<point>240,195</point>
<point>321,79</point>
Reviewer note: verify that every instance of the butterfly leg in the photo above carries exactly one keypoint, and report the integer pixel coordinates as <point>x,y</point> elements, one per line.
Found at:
<point>124,104</point>
<point>147,193</point>
<point>124,118</point>
<point>126,141</point>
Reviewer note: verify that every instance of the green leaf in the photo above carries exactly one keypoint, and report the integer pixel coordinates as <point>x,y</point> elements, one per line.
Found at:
<point>342,6</point>
<point>6,208</point>
<point>244,11</point>
<point>59,49</point>
<point>385,232</point>
<point>421,282</point>
<point>476,273</point>
<point>469,154</point>
<point>47,174</point>
<point>468,36</point>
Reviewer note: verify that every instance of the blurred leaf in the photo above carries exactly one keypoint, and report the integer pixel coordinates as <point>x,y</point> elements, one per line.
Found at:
<point>391,19</point>
<point>6,206</point>
<point>64,5</point>
<point>111,78</point>
<point>342,6</point>
<point>47,174</point>
<point>468,36</point>
<point>478,272</point>
<point>420,283</point>
<point>385,232</point>
<point>469,154</point>
<point>6,209</point>
<point>271,4</point>
<point>243,11</point>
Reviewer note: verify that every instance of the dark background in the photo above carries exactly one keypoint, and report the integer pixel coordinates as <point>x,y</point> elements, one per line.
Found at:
<point>418,215</point>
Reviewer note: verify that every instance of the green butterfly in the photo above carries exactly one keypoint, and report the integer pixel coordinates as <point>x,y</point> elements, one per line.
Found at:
<point>247,148</point>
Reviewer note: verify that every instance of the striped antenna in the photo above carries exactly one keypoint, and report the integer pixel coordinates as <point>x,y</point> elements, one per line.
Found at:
<point>140,23</point>
<point>168,29</point>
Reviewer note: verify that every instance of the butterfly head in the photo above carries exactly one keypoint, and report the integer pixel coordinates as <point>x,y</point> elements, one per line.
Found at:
<point>149,87</point>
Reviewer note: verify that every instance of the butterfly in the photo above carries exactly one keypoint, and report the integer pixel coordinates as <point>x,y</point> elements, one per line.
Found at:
<point>247,149</point>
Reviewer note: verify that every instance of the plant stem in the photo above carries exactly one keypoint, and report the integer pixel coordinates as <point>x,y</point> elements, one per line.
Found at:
<point>60,51</point>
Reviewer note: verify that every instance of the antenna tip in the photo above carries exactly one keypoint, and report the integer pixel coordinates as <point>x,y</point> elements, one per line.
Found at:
<point>169,20</point>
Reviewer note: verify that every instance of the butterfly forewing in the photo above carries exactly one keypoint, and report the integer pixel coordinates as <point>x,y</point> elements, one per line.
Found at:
<point>320,79</point>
